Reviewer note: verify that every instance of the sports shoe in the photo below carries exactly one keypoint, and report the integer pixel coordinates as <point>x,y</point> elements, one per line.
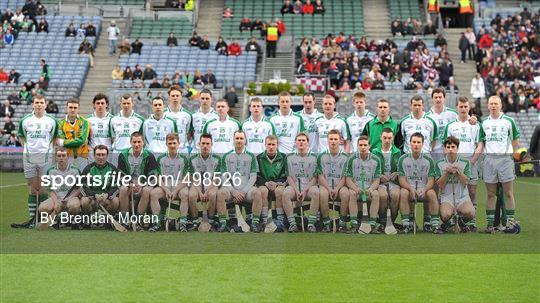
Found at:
<point>375,230</point>
<point>138,227</point>
<point>255,228</point>
<point>438,230</point>
<point>23,225</point>
<point>343,229</point>
<point>194,226</point>
<point>155,227</point>
<point>311,228</point>
<point>182,228</point>
<point>427,227</point>
<point>512,227</point>
<point>326,229</point>
<point>293,228</point>
<point>490,230</point>
<point>222,228</point>
<point>473,229</point>
<point>280,227</point>
<point>76,226</point>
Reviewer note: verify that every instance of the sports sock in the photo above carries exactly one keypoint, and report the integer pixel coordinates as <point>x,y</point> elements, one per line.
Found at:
<point>510,215</point>
<point>31,206</point>
<point>354,221</point>
<point>265,214</point>
<point>292,220</point>
<point>435,219</point>
<point>160,217</point>
<point>372,221</point>
<point>490,217</point>
<point>280,215</point>
<point>326,221</point>
<point>472,222</point>
<point>255,220</point>
<point>312,219</point>
<point>405,220</point>
<point>342,222</point>
<point>183,219</point>
<point>42,198</point>
<point>427,219</point>
<point>222,219</point>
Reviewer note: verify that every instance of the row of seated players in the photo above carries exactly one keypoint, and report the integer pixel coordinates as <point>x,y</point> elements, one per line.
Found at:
<point>231,142</point>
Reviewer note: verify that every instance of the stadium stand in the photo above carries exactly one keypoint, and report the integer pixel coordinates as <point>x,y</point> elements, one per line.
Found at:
<point>117,2</point>
<point>229,70</point>
<point>404,9</point>
<point>340,16</point>
<point>148,28</point>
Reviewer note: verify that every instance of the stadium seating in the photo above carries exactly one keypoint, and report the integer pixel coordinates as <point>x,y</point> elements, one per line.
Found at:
<point>116,2</point>
<point>404,9</point>
<point>341,16</point>
<point>229,70</point>
<point>14,4</point>
<point>526,123</point>
<point>148,28</point>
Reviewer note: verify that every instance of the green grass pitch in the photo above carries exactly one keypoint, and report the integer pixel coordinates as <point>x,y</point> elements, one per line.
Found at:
<point>90,266</point>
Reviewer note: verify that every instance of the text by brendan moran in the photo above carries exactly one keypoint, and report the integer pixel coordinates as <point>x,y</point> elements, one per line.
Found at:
<point>123,218</point>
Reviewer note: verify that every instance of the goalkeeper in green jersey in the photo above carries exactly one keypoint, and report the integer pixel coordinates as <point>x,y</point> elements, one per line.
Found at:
<point>331,165</point>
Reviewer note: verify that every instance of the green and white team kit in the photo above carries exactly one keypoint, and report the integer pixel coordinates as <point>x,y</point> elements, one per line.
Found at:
<point>184,126</point>
<point>467,134</point>
<point>332,167</point>
<point>122,128</point>
<point>302,167</point>
<point>155,133</point>
<point>425,125</point>
<point>244,165</point>
<point>38,134</point>
<point>363,171</point>
<point>441,120</point>
<point>256,132</point>
<point>287,127</point>
<point>100,130</point>
<point>310,128</point>
<point>417,170</point>
<point>324,125</point>
<point>222,134</point>
<point>63,189</point>
<point>198,121</point>
<point>497,135</point>
<point>173,168</point>
<point>356,126</point>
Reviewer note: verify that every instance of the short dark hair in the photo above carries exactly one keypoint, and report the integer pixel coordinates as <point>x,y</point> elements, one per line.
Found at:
<point>72,100</point>
<point>39,97</point>
<point>387,130</point>
<point>172,136</point>
<point>382,100</point>
<point>463,99</point>
<point>136,134</point>
<point>207,136</point>
<point>127,96</point>
<point>206,91</point>
<point>100,96</point>
<point>308,94</point>
<point>359,95</point>
<point>157,98</point>
<point>362,137</point>
<point>301,134</point>
<point>417,98</point>
<point>174,87</point>
<point>418,135</point>
<point>451,140</point>
<point>101,146</point>
<point>438,90</point>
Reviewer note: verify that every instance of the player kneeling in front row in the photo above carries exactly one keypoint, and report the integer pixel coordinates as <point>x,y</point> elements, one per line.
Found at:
<point>332,166</point>
<point>363,178</point>
<point>201,163</point>
<point>94,192</point>
<point>63,197</point>
<point>416,178</point>
<point>454,173</point>
<point>302,179</point>
<point>240,162</point>
<point>140,164</point>
<point>172,167</point>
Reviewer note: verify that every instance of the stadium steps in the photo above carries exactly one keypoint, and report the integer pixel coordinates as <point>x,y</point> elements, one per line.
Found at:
<point>463,73</point>
<point>210,15</point>
<point>99,77</point>
<point>507,3</point>
<point>282,63</point>
<point>376,19</point>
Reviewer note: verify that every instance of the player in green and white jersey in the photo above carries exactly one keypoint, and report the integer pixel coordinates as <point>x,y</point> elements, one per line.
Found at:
<point>358,120</point>
<point>331,120</point>
<point>256,127</point>
<point>309,114</point>
<point>453,174</point>
<point>206,162</point>
<point>500,136</point>
<point>222,129</point>
<point>442,115</point>
<point>140,164</point>
<point>239,162</point>
<point>363,173</point>
<point>123,124</point>
<point>199,118</point>
<point>389,189</point>
<point>331,180</point>
<point>417,177</point>
<point>418,122</point>
<point>100,125</point>
<point>157,127</point>
<point>181,116</point>
<point>173,166</point>
<point>37,132</point>
<point>64,197</point>
<point>302,183</point>
<point>286,123</point>
<point>470,146</point>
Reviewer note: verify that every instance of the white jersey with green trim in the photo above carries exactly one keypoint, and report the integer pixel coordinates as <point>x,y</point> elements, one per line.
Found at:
<point>356,126</point>
<point>459,189</point>
<point>173,169</point>
<point>446,116</point>
<point>155,133</point>
<point>302,167</point>
<point>199,119</point>
<point>183,124</point>
<point>202,165</point>
<point>498,135</point>
<point>63,189</point>
<point>287,127</point>
<point>332,167</point>
<point>222,134</point>
<point>310,128</point>
<point>38,134</point>
<point>468,135</point>
<point>256,132</point>
<point>100,130</point>
<point>244,163</point>
<point>363,171</point>
<point>425,125</point>
<point>416,170</point>
<point>122,128</point>
<point>324,125</point>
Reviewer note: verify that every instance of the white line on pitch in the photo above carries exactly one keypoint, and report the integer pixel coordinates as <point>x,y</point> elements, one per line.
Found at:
<point>12,185</point>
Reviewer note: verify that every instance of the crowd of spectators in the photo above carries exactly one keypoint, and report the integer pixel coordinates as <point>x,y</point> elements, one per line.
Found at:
<point>413,68</point>
<point>508,60</point>
<point>84,30</point>
<point>303,8</point>
<point>184,5</point>
<point>221,46</point>
<point>22,20</point>
<point>412,27</point>
<point>246,24</point>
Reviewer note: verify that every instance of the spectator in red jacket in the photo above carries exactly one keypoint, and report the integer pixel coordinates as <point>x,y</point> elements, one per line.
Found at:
<point>280,27</point>
<point>485,41</point>
<point>234,49</point>
<point>308,8</point>
<point>4,77</point>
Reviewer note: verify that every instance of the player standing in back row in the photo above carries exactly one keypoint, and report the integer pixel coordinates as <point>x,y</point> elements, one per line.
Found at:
<point>500,136</point>
<point>181,116</point>
<point>199,118</point>
<point>331,120</point>
<point>287,124</point>
<point>222,129</point>
<point>123,124</point>
<point>309,114</point>
<point>256,128</point>
<point>358,120</point>
<point>418,122</point>
<point>100,131</point>
<point>442,115</point>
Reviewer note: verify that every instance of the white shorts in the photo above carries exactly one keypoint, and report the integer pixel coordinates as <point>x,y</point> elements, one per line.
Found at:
<point>459,200</point>
<point>391,186</point>
<point>32,170</point>
<point>247,199</point>
<point>498,169</point>
<point>474,174</point>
